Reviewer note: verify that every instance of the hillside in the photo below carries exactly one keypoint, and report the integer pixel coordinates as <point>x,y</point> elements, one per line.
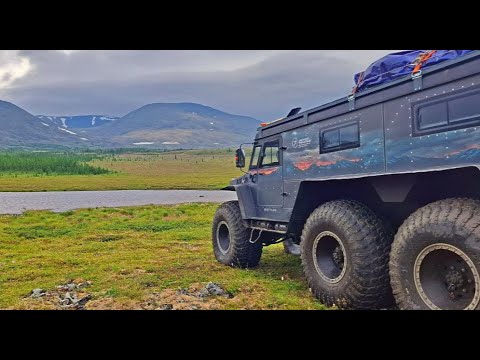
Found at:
<point>20,129</point>
<point>184,125</point>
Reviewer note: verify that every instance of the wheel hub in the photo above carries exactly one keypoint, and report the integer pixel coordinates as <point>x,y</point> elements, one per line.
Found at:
<point>223,237</point>
<point>454,280</point>
<point>446,278</point>
<point>329,257</point>
<point>338,257</point>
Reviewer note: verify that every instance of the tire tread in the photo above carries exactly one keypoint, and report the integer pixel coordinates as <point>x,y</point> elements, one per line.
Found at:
<point>244,254</point>
<point>444,218</point>
<point>370,240</point>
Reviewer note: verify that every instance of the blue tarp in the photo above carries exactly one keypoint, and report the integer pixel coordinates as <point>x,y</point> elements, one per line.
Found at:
<point>399,64</point>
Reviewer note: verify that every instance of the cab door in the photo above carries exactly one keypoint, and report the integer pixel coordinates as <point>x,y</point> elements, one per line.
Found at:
<point>269,176</point>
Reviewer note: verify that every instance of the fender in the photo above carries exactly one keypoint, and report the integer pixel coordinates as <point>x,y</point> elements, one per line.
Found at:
<point>246,199</point>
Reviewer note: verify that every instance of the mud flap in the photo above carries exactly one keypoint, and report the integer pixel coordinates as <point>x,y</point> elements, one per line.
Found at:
<point>291,248</point>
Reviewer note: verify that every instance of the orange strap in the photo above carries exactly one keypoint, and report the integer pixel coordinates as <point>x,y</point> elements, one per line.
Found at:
<point>422,59</point>
<point>359,81</point>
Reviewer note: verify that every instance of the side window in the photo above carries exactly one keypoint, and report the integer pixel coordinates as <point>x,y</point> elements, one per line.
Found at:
<point>340,138</point>
<point>432,116</point>
<point>464,108</point>
<point>270,154</point>
<point>255,156</point>
<point>454,112</point>
<point>331,139</point>
<point>349,135</point>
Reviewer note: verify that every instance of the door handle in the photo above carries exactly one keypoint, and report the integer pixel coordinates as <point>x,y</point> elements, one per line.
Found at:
<point>284,194</point>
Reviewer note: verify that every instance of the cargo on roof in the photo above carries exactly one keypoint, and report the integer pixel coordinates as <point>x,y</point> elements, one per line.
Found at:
<point>401,64</point>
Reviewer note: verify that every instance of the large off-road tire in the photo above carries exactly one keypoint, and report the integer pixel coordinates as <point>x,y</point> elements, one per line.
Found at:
<point>344,250</point>
<point>231,238</point>
<point>435,258</point>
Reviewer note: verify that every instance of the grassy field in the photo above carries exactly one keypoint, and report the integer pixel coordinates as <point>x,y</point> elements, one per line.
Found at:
<point>137,258</point>
<point>194,169</point>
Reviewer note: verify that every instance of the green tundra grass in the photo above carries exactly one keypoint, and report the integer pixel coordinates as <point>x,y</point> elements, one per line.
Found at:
<point>133,254</point>
<point>190,169</point>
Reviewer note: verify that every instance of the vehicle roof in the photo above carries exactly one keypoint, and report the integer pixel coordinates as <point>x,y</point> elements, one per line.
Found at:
<point>374,95</point>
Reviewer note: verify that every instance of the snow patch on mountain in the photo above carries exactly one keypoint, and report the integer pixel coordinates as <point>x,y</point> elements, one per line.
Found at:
<point>67,131</point>
<point>170,143</point>
<point>78,121</point>
<point>45,124</point>
<point>143,143</point>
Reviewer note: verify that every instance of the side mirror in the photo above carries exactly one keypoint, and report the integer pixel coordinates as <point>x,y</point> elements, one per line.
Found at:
<point>240,158</point>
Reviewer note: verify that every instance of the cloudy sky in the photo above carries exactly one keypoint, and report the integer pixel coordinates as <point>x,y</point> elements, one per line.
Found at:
<point>264,84</point>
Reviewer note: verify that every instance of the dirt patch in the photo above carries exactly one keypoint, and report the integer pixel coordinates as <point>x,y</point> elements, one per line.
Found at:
<point>73,296</point>
<point>69,296</point>
<point>196,297</point>
<point>111,304</point>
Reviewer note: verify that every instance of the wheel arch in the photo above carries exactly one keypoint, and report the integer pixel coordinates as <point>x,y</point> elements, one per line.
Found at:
<point>394,196</point>
<point>246,199</point>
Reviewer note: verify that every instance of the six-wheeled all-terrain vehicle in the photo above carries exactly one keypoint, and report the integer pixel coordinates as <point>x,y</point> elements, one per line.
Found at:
<point>377,192</point>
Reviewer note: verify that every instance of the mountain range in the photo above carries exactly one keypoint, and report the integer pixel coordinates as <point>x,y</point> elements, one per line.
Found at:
<point>159,125</point>
<point>20,129</point>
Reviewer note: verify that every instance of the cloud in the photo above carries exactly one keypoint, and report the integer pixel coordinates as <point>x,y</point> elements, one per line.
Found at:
<point>264,84</point>
<point>67,52</point>
<point>12,67</point>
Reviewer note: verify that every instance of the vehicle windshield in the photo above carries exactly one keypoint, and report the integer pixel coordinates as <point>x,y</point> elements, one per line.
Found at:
<point>255,156</point>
